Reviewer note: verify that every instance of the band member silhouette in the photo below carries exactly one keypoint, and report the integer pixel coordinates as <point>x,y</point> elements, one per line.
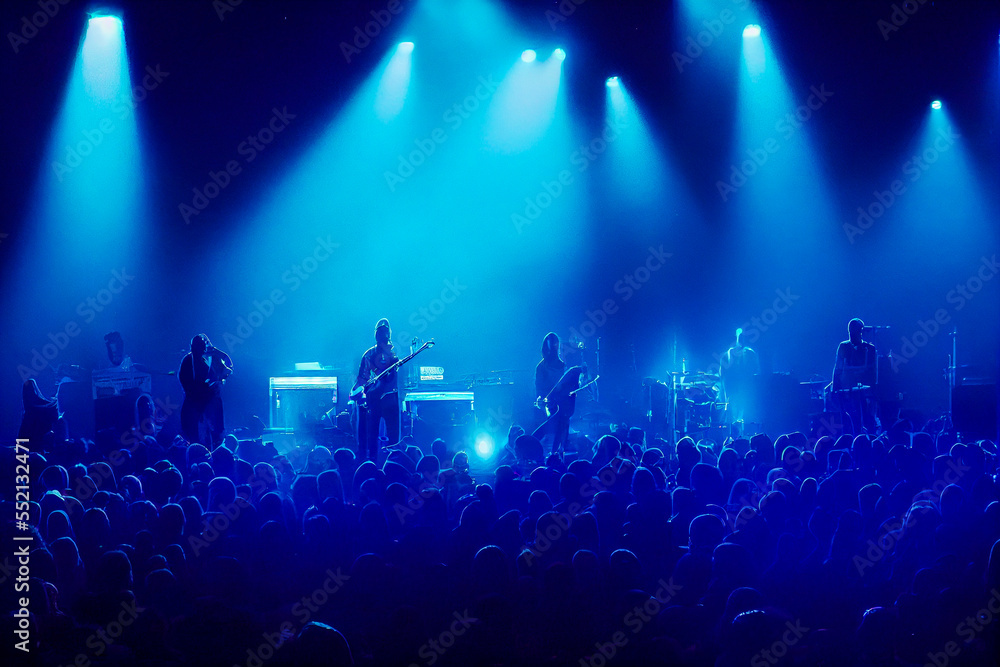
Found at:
<point>855,372</point>
<point>381,400</point>
<point>202,373</point>
<point>553,384</point>
<point>737,369</point>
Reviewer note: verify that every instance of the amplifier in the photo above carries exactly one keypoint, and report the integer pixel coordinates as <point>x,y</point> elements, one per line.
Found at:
<point>442,407</point>
<point>296,400</point>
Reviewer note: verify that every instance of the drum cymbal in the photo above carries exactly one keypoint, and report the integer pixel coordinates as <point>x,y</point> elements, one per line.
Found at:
<point>701,377</point>
<point>701,383</point>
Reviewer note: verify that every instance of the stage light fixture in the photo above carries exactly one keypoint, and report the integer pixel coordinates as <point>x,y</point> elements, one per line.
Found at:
<point>936,104</point>
<point>612,82</point>
<point>559,54</point>
<point>529,56</point>
<point>405,47</point>
<point>752,30</point>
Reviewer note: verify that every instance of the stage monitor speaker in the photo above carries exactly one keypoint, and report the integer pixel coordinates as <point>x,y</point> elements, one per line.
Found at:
<point>974,410</point>
<point>301,400</point>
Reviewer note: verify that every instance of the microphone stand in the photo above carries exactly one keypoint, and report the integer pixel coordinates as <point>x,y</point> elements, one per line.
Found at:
<point>952,377</point>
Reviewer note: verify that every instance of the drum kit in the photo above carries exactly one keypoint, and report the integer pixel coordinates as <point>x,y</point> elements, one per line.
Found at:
<point>699,404</point>
<point>686,404</point>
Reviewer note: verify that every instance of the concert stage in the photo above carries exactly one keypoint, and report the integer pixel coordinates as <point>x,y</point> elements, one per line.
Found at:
<point>456,331</point>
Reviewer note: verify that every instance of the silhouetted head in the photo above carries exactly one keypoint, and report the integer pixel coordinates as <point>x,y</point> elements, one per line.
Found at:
<point>116,348</point>
<point>854,329</point>
<point>382,332</point>
<point>200,344</point>
<point>550,346</point>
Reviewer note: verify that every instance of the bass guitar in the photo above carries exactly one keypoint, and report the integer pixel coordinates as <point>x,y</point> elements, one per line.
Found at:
<point>360,393</point>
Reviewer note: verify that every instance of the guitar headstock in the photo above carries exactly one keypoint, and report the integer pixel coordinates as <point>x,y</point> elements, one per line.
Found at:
<point>428,344</point>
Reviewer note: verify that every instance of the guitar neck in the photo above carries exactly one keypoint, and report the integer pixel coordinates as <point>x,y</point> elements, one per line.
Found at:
<point>399,362</point>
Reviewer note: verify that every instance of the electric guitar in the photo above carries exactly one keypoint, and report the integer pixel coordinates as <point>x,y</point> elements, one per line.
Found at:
<point>360,393</point>
<point>561,396</point>
<point>562,399</point>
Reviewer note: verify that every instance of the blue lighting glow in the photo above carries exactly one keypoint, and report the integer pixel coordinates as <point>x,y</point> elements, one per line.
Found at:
<point>394,84</point>
<point>936,104</point>
<point>612,82</point>
<point>90,209</point>
<point>484,446</point>
<point>524,106</point>
<point>529,56</point>
<point>559,54</point>
<point>753,51</point>
<point>104,63</point>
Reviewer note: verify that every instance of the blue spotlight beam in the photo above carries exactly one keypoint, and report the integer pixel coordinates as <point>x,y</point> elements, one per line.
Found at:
<point>92,185</point>
<point>524,106</point>
<point>394,84</point>
<point>754,55</point>
<point>103,58</point>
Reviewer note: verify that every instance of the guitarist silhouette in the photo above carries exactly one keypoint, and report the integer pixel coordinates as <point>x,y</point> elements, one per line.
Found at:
<point>379,401</point>
<point>555,386</point>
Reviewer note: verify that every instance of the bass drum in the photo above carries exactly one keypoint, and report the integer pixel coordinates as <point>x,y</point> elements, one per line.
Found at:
<point>694,416</point>
<point>720,414</point>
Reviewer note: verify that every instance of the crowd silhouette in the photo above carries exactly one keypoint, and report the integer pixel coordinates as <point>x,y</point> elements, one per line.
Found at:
<point>792,551</point>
